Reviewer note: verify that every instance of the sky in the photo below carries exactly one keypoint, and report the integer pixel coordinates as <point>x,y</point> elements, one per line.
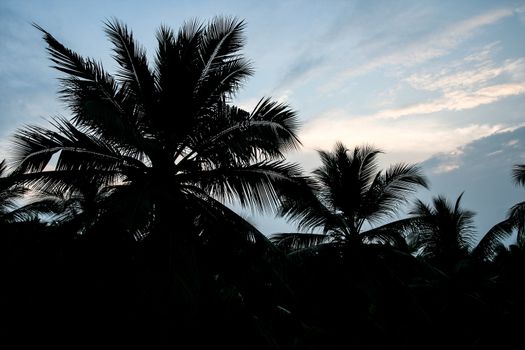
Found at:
<point>441,83</point>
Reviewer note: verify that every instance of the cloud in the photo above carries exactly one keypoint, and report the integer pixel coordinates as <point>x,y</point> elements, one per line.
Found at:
<point>445,168</point>
<point>414,140</point>
<point>438,43</point>
<point>457,100</point>
<point>498,143</point>
<point>466,78</point>
<point>482,169</point>
<point>462,86</point>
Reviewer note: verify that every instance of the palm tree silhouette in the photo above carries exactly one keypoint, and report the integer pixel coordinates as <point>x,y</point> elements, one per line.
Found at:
<point>168,142</point>
<point>441,232</point>
<point>492,242</point>
<point>346,193</point>
<point>167,136</point>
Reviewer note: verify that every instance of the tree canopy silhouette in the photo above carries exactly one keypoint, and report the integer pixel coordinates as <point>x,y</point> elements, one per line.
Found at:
<point>346,192</point>
<point>165,137</point>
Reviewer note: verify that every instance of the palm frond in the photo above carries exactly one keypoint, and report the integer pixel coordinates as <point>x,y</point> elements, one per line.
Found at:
<point>517,217</point>
<point>394,233</point>
<point>276,124</point>
<point>32,211</point>
<point>489,245</point>
<point>446,231</point>
<point>3,168</point>
<point>134,70</point>
<point>365,160</point>
<point>34,147</point>
<point>290,242</point>
<point>300,205</point>
<point>253,185</point>
<point>518,174</point>
<point>223,67</point>
<point>94,96</point>
<point>214,214</point>
<point>387,193</point>
<point>64,181</point>
<point>234,135</point>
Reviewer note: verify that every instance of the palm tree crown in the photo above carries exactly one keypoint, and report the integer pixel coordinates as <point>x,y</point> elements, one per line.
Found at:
<point>348,191</point>
<point>444,232</point>
<point>165,137</point>
<point>493,240</point>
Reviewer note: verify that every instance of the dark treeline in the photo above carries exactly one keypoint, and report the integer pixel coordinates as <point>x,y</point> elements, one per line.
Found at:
<point>115,231</point>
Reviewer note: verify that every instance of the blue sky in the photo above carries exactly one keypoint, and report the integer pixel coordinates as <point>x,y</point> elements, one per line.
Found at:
<point>438,82</point>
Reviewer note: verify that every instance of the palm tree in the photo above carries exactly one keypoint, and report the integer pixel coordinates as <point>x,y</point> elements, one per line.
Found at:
<point>441,232</point>
<point>347,193</point>
<point>347,199</point>
<point>168,136</point>
<point>166,139</point>
<point>492,242</point>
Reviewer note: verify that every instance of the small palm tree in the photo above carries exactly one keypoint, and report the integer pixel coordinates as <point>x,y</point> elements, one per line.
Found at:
<point>441,232</point>
<point>347,193</point>
<point>493,240</point>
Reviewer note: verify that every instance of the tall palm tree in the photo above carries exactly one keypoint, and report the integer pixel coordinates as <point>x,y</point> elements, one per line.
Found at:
<point>492,241</point>
<point>167,135</point>
<point>169,142</point>
<point>347,193</point>
<point>441,232</point>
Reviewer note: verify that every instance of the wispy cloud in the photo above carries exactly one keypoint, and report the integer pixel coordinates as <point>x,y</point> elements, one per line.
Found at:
<point>466,78</point>
<point>420,50</point>
<point>456,100</point>
<point>414,139</point>
<point>463,85</point>
<point>486,149</point>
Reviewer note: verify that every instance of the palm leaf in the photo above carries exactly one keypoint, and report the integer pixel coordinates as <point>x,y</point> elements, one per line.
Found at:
<point>134,71</point>
<point>223,68</point>
<point>253,185</point>
<point>518,174</point>
<point>93,95</point>
<point>489,245</point>
<point>517,217</point>
<point>290,242</point>
<point>387,193</point>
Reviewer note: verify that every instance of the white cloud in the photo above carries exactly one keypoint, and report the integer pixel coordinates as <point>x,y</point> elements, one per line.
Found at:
<point>456,101</point>
<point>414,139</point>
<point>484,54</point>
<point>499,151</point>
<point>446,168</point>
<point>439,43</point>
<point>466,78</point>
<point>463,87</point>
